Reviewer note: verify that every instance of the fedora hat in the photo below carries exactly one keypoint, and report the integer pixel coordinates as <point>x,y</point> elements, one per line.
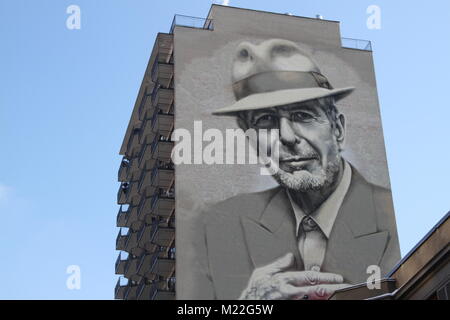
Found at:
<point>275,73</point>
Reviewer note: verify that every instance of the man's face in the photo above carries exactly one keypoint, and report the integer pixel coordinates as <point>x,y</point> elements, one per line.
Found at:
<point>309,144</point>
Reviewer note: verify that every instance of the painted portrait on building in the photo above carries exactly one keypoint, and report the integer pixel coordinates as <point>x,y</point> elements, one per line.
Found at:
<point>325,215</point>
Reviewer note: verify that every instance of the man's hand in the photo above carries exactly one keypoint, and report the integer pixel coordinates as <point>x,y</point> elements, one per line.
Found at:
<point>272,283</point>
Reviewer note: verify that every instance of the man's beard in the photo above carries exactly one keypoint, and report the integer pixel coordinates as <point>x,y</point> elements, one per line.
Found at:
<point>304,181</point>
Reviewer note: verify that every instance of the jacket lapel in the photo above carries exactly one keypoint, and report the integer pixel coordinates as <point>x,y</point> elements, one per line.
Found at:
<point>355,242</point>
<point>273,235</point>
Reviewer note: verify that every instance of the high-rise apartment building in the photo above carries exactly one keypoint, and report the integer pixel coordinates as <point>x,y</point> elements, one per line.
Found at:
<point>146,193</point>
<point>239,59</point>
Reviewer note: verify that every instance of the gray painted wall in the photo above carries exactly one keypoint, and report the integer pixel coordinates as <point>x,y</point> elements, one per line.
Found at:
<point>203,84</point>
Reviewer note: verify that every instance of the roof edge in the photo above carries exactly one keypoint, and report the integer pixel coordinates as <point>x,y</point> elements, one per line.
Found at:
<point>283,14</point>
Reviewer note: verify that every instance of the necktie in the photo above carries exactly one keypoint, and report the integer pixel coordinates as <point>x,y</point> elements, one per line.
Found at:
<point>312,245</point>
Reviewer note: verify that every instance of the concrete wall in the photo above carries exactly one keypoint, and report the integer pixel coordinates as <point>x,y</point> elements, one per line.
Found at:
<point>203,84</point>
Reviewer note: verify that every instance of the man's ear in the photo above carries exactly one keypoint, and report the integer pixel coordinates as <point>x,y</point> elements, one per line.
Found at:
<point>339,130</point>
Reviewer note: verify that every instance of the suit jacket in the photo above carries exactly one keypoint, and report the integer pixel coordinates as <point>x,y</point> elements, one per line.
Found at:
<point>252,230</point>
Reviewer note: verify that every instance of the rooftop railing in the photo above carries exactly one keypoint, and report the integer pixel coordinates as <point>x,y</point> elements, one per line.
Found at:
<point>192,22</point>
<point>359,44</point>
<point>207,24</point>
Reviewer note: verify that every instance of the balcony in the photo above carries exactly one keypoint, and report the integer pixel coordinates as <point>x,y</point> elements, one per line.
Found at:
<point>144,235</point>
<point>163,98</point>
<point>134,196</point>
<point>144,187</point>
<point>150,246</point>
<point>146,102</point>
<point>163,266</point>
<point>122,193</point>
<point>165,47</point>
<point>128,218</point>
<point>161,149</point>
<point>121,286</point>
<point>133,143</point>
<point>144,266</point>
<point>130,291</point>
<point>145,160</point>
<point>162,122</point>
<point>163,236</point>
<point>156,290</point>
<point>122,216</point>
<point>162,175</point>
<point>120,264</point>
<point>146,133</point>
<point>128,193</point>
<point>144,208</point>
<point>143,291</point>
<point>124,170</point>
<point>161,290</point>
<point>134,169</point>
<point>159,294</point>
<point>131,241</point>
<point>163,203</point>
<point>131,267</point>
<point>121,240</point>
<point>162,73</point>
<point>157,223</point>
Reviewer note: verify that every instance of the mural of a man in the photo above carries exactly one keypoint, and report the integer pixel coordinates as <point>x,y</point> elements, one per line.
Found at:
<point>324,224</point>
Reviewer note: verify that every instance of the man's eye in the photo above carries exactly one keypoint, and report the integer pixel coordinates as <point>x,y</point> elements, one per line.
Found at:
<point>302,116</point>
<point>266,121</point>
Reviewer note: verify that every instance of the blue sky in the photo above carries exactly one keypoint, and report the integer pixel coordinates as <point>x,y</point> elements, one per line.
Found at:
<point>66,97</point>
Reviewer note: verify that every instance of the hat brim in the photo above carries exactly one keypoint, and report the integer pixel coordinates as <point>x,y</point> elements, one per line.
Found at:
<point>282,97</point>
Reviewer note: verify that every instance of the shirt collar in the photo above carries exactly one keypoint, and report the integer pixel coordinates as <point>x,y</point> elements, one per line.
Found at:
<point>326,214</point>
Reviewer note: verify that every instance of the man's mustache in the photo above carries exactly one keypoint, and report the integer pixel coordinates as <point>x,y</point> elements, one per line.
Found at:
<point>298,155</point>
<point>295,153</point>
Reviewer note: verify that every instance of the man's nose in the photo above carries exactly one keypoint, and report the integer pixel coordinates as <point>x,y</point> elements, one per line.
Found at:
<point>287,134</point>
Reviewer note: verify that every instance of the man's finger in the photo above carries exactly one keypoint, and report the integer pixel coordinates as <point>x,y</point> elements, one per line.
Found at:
<point>319,292</point>
<point>280,264</point>
<point>310,278</point>
<point>291,292</point>
<point>323,291</point>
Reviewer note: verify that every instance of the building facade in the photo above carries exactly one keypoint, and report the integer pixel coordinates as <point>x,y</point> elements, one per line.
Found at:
<point>231,219</point>
<point>198,76</point>
<point>146,217</point>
